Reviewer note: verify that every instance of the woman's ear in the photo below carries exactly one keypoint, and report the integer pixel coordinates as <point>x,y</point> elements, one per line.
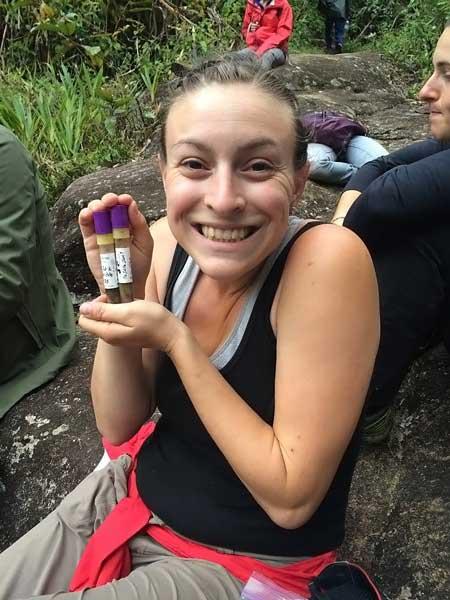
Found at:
<point>300,177</point>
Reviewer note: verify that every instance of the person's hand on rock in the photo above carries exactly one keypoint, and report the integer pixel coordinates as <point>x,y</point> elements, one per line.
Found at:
<point>141,240</point>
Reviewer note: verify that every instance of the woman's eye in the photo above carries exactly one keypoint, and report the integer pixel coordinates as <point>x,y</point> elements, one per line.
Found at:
<point>193,164</point>
<point>259,166</point>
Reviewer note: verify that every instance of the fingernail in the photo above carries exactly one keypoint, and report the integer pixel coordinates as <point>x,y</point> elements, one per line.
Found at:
<point>86,308</point>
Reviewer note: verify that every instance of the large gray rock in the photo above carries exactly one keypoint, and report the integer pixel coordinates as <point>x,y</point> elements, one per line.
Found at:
<point>399,514</point>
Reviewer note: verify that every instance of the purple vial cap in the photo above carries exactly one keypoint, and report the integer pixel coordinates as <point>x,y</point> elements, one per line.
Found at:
<point>102,222</point>
<point>119,217</point>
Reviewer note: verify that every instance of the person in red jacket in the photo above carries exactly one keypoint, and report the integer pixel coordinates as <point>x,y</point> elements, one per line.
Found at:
<point>266,29</point>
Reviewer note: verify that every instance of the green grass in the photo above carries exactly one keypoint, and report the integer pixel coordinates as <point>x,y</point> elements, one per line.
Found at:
<point>68,122</point>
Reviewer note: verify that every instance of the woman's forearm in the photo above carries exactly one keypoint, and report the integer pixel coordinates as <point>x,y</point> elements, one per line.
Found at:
<point>121,391</point>
<point>248,443</point>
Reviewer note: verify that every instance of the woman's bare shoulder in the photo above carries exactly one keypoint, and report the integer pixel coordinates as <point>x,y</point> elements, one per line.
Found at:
<point>327,262</point>
<point>328,246</point>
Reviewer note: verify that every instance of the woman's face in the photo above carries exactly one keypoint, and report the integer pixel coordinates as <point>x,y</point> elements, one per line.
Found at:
<point>436,91</point>
<point>229,176</point>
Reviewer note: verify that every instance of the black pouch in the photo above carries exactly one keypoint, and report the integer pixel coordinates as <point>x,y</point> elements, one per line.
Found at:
<point>344,581</point>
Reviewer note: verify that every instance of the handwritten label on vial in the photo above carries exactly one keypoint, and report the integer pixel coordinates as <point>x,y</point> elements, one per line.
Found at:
<point>124,265</point>
<point>109,270</point>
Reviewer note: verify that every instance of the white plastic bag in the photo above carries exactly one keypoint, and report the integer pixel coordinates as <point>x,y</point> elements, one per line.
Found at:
<point>259,587</point>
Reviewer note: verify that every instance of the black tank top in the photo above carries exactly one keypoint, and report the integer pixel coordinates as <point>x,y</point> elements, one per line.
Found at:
<point>185,479</point>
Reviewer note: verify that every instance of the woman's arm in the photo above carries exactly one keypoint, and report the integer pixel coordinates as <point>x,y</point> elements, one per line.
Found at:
<point>123,373</point>
<point>327,336</point>
<point>121,383</point>
<point>121,391</point>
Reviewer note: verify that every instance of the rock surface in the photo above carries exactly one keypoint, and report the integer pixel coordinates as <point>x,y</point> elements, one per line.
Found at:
<point>399,515</point>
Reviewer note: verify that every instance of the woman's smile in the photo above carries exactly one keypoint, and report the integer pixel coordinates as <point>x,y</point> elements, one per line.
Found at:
<point>225,234</point>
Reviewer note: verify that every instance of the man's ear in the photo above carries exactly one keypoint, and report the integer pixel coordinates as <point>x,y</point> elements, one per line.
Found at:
<point>162,168</point>
<point>300,177</point>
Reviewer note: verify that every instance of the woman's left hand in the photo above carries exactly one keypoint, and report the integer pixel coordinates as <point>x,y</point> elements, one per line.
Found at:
<point>139,324</point>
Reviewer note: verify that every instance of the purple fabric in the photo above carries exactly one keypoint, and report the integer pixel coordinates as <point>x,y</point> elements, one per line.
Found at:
<point>102,222</point>
<point>332,129</point>
<point>119,217</point>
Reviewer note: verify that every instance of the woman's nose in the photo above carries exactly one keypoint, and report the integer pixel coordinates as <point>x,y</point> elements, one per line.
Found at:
<point>224,194</point>
<point>430,90</point>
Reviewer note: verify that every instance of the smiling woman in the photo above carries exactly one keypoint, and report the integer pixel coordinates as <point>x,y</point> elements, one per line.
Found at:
<point>256,332</point>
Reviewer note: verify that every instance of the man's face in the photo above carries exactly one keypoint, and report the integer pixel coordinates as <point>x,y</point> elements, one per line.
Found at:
<point>436,91</point>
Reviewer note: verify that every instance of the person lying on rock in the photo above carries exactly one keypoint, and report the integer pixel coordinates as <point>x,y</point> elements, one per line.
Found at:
<point>36,315</point>
<point>266,29</point>
<point>402,212</point>
<point>338,146</point>
<point>254,333</point>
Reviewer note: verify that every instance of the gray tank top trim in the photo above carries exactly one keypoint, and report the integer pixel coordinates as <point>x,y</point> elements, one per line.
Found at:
<point>186,281</point>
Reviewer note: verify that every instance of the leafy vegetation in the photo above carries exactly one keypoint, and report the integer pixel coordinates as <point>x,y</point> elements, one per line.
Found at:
<point>81,80</point>
<point>405,30</point>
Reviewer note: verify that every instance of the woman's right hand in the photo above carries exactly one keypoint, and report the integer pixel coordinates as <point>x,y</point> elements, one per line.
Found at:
<point>141,240</point>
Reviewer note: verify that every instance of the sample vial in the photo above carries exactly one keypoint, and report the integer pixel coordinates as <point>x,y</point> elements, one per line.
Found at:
<point>105,242</point>
<point>121,235</point>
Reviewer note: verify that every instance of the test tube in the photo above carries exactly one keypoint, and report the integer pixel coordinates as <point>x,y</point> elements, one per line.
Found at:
<point>105,242</point>
<point>121,234</point>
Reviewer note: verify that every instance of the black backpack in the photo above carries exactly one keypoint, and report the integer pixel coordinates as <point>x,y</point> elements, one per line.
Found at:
<point>342,580</point>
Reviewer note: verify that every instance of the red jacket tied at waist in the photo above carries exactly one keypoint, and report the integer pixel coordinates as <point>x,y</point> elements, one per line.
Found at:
<point>107,556</point>
<point>274,25</point>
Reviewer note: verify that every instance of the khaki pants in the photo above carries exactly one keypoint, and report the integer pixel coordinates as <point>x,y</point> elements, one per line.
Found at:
<point>40,565</point>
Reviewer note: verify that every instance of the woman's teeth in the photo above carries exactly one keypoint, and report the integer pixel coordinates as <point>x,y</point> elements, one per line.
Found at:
<point>225,235</point>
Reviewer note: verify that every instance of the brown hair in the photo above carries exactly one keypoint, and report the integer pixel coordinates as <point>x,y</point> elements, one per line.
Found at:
<point>236,69</point>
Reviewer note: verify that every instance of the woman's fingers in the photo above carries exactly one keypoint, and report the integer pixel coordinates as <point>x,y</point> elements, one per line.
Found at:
<point>99,310</point>
<point>108,201</point>
<point>125,199</point>
<point>137,219</point>
<point>101,298</point>
<point>138,324</point>
<point>112,333</point>
<point>106,321</point>
<point>86,222</point>
<point>142,238</point>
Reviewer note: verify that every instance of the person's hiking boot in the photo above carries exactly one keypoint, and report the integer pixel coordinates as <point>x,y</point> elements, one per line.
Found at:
<point>338,49</point>
<point>378,426</point>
